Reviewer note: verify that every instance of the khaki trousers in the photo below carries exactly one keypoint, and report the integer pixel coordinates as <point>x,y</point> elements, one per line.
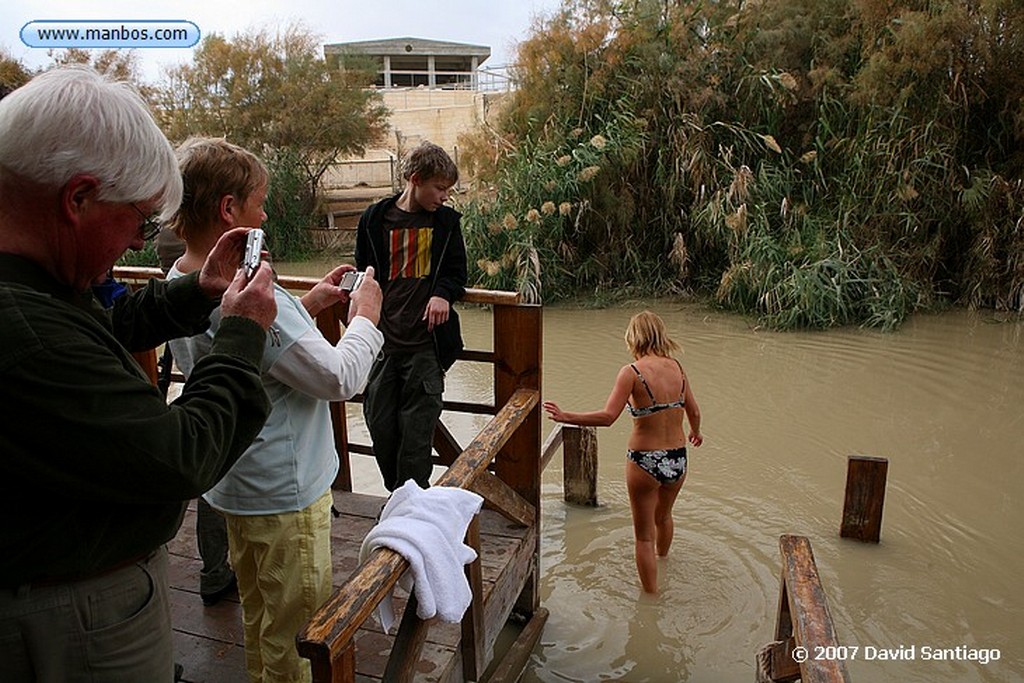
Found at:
<point>283,566</point>
<point>110,628</point>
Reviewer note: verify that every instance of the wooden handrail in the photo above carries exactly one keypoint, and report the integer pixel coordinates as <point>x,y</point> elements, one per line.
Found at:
<point>328,633</point>
<point>482,449</point>
<point>140,274</point>
<point>803,621</point>
<point>501,464</point>
<point>136,275</point>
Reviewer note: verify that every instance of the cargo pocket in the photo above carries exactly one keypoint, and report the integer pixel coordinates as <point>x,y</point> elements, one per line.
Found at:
<point>433,386</point>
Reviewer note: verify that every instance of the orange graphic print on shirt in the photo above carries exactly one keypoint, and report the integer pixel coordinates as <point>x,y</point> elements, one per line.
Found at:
<point>410,252</point>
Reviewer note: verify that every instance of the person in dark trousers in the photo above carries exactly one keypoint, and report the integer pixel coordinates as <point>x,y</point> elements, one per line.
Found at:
<point>96,466</point>
<point>216,578</point>
<point>414,243</point>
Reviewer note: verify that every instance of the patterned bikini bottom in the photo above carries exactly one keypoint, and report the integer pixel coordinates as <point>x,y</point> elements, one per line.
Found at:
<point>665,466</point>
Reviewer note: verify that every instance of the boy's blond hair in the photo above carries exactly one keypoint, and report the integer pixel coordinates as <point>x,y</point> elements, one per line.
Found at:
<point>210,169</point>
<point>646,336</point>
<point>428,161</point>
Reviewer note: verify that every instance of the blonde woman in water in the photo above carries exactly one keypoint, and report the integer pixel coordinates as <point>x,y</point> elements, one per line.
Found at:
<point>655,391</point>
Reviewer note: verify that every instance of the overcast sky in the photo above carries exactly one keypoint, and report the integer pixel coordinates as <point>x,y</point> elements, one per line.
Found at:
<point>498,24</point>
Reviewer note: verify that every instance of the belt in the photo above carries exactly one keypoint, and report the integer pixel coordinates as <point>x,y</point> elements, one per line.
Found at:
<point>61,579</point>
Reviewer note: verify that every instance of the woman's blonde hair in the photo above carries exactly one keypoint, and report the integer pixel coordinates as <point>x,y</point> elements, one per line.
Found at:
<point>210,169</point>
<point>646,336</point>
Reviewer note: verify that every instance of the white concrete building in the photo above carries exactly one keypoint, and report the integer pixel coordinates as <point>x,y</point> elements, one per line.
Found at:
<point>435,90</point>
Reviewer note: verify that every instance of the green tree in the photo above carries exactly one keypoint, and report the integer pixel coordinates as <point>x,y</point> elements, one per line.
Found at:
<point>275,94</point>
<point>13,73</point>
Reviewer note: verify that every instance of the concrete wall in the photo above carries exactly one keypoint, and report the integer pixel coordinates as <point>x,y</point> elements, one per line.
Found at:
<point>417,114</point>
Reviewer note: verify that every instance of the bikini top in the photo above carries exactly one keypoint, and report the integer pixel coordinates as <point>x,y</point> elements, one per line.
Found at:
<point>655,407</point>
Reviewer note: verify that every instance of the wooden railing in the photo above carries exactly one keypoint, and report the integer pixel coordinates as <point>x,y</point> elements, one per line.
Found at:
<point>502,464</point>
<point>805,646</point>
<point>328,638</point>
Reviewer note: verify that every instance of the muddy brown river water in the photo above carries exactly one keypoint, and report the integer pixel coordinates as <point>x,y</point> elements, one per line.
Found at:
<point>942,399</point>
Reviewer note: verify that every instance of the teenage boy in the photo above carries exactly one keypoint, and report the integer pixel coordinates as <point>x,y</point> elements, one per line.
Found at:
<point>414,243</point>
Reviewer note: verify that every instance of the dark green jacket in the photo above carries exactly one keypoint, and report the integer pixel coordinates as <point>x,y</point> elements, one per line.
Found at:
<point>95,467</point>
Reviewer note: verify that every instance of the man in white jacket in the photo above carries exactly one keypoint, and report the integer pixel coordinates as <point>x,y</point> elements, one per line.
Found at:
<point>277,497</point>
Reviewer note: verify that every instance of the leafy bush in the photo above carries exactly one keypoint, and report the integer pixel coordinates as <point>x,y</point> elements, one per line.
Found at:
<point>290,207</point>
<point>813,163</point>
<point>145,257</point>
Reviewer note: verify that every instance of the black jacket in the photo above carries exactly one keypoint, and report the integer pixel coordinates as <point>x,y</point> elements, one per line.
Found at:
<point>447,265</point>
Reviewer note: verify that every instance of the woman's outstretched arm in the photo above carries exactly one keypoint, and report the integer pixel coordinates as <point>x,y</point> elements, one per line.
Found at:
<point>598,418</point>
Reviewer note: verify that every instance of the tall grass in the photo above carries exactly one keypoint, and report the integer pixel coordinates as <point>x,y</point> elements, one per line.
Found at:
<point>808,163</point>
<point>290,206</point>
<point>546,223</point>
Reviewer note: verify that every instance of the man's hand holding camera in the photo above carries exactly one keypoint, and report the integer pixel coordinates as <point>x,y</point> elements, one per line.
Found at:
<point>222,278</point>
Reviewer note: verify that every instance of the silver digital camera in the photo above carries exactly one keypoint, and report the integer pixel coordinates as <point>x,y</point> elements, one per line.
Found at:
<point>253,252</point>
<point>351,280</point>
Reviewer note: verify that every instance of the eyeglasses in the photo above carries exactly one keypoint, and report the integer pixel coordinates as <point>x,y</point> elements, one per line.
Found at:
<point>150,224</point>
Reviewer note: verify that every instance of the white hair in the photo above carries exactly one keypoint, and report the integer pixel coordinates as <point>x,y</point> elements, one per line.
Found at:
<point>71,120</point>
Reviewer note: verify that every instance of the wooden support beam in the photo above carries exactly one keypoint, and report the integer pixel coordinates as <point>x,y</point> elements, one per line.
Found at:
<point>520,369</point>
<point>503,499</point>
<point>342,670</point>
<point>447,447</point>
<point>810,619</point>
<point>865,496</point>
<point>474,649</point>
<point>329,322</point>
<point>470,408</point>
<point>550,446</point>
<point>579,465</point>
<point>408,646</point>
<point>511,667</point>
<point>147,359</point>
<point>783,619</point>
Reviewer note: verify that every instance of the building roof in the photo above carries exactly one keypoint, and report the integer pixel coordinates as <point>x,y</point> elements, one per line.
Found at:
<point>410,46</point>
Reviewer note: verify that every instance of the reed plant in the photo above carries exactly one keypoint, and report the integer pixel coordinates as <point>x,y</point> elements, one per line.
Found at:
<point>290,206</point>
<point>547,222</point>
<point>809,163</point>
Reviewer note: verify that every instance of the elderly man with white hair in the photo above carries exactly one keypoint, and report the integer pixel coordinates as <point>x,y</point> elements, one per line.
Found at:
<point>95,466</point>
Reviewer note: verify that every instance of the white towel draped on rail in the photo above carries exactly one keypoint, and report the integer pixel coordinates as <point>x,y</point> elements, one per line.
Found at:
<point>428,527</point>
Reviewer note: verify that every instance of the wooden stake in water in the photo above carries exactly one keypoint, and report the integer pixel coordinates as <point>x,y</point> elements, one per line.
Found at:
<point>865,494</point>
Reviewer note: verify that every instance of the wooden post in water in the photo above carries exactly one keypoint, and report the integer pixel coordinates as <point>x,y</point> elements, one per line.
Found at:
<point>865,494</point>
<point>579,465</point>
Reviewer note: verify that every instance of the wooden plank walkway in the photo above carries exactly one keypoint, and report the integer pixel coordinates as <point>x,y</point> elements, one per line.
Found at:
<point>208,640</point>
